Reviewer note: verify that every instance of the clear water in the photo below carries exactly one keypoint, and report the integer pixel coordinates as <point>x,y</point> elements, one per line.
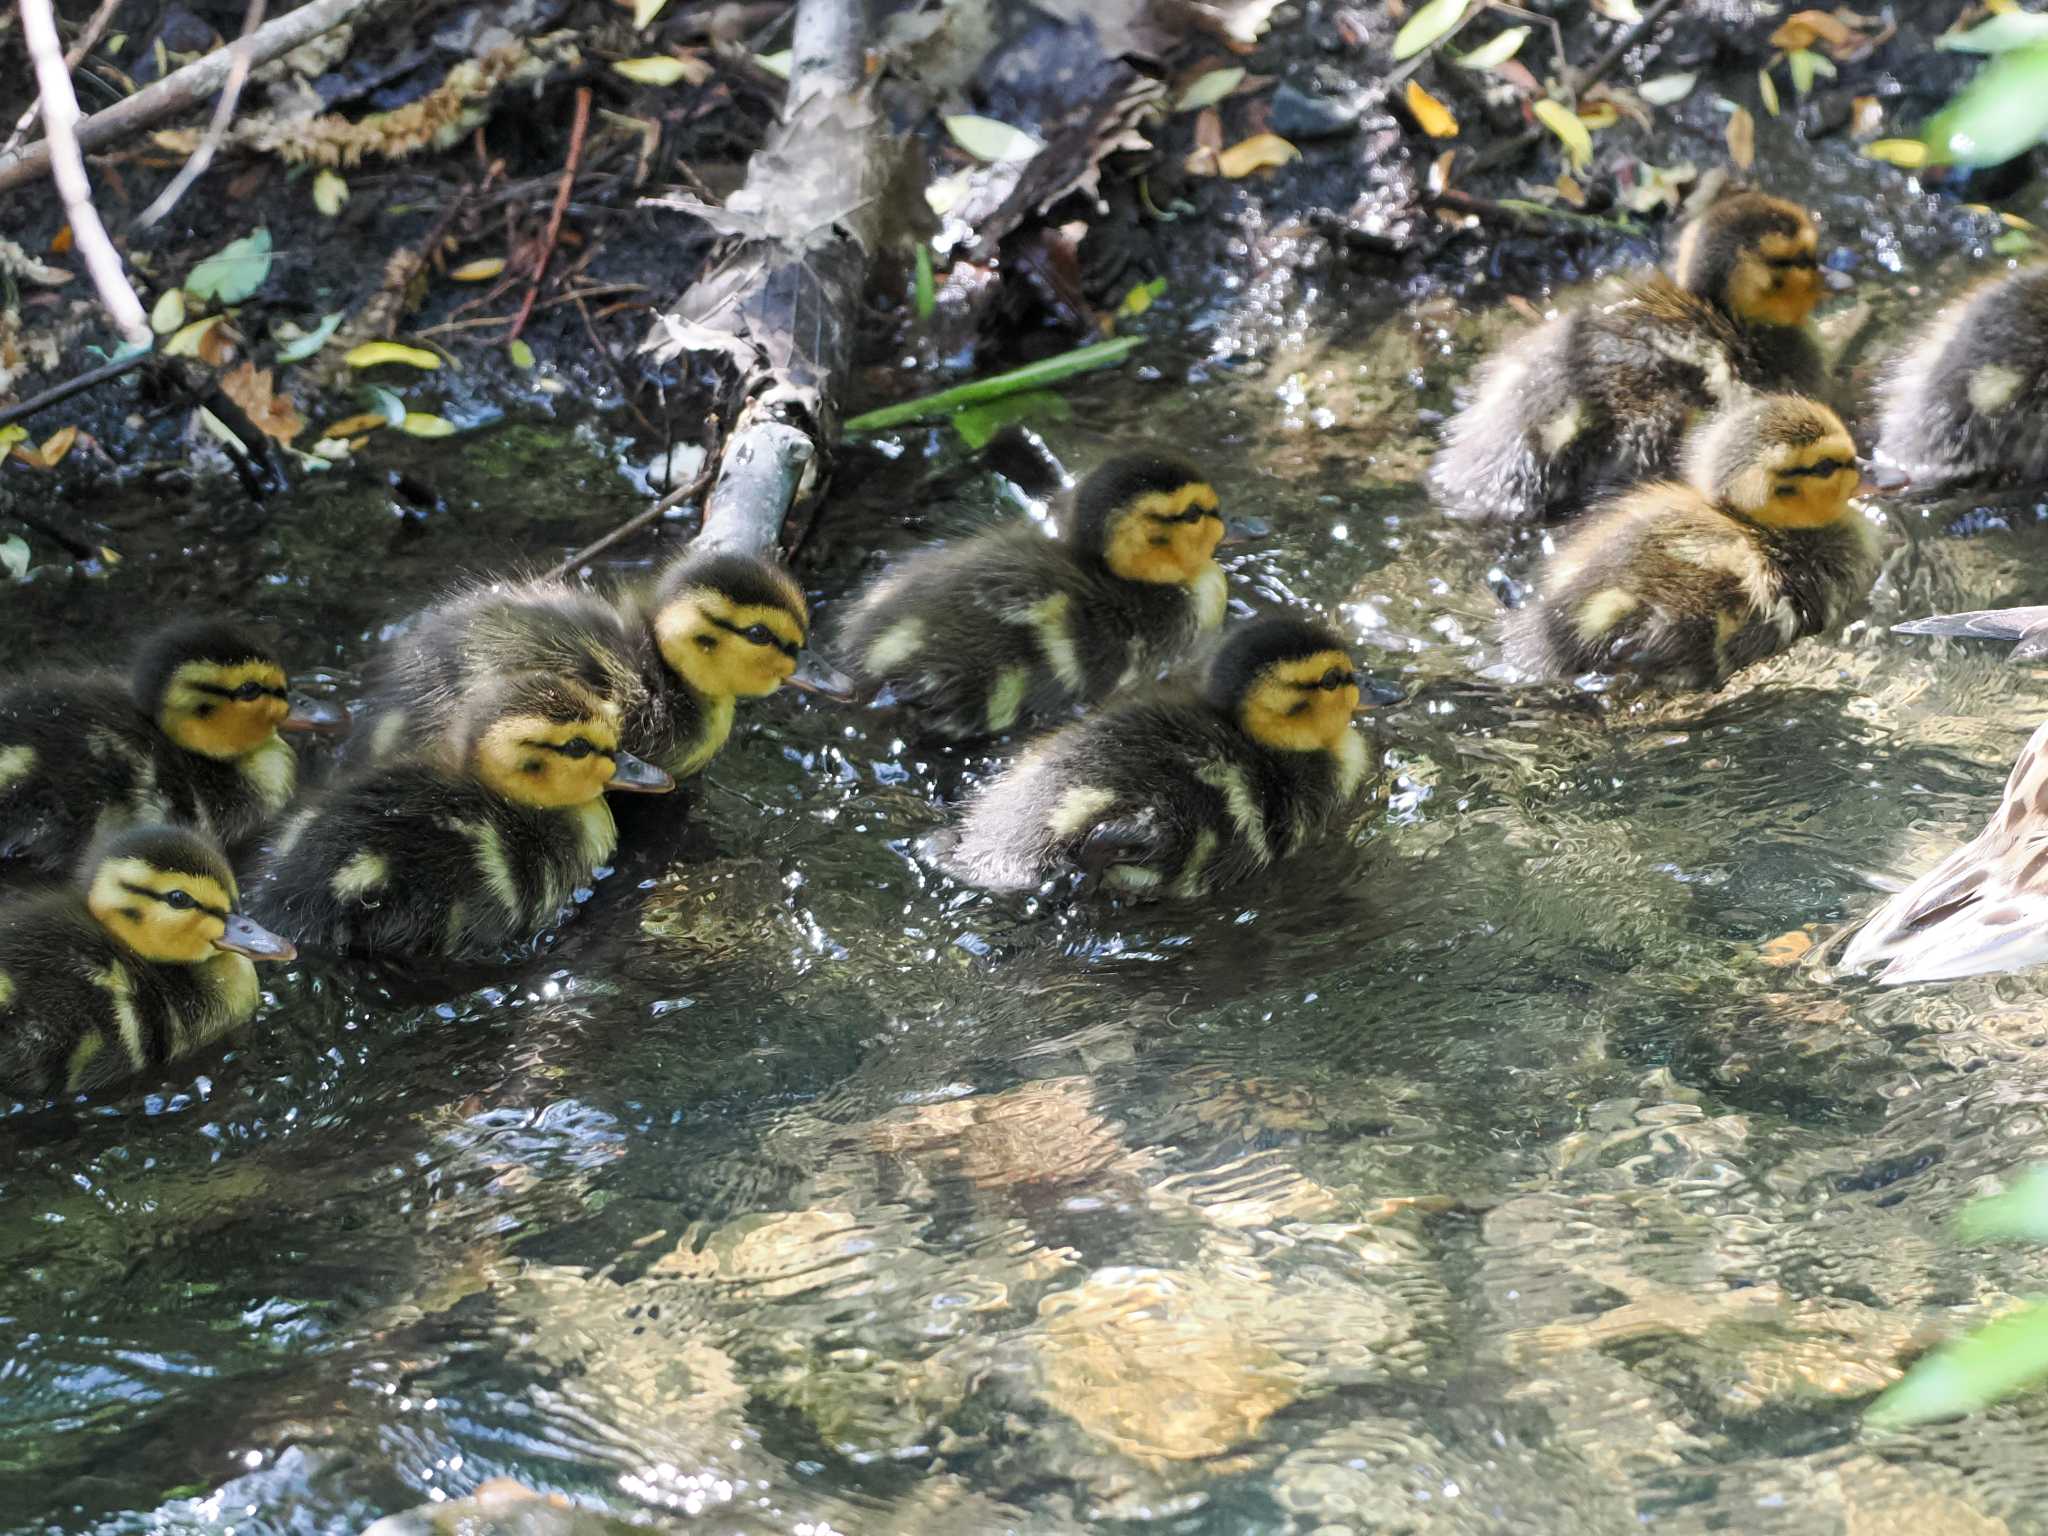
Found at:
<point>1507,1166</point>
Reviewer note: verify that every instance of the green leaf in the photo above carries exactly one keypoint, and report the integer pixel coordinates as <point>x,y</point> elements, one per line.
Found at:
<point>1806,66</point>
<point>298,349</point>
<point>1430,23</point>
<point>2000,1358</point>
<point>426,424</point>
<point>927,293</point>
<point>1209,89</point>
<point>2000,114</point>
<point>234,272</point>
<point>978,423</point>
<point>2021,1211</point>
<point>2001,34</point>
<point>1495,51</point>
<point>14,555</point>
<point>776,64</point>
<point>520,353</point>
<point>1564,122</point>
<point>1666,89</point>
<point>2014,242</point>
<point>1051,370</point>
<point>990,141</point>
<point>386,404</point>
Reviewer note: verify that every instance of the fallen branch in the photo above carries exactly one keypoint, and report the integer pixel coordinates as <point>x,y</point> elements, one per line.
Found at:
<point>577,130</point>
<point>646,518</point>
<point>183,88</point>
<point>73,57</point>
<point>67,169</point>
<point>782,304</point>
<point>223,114</point>
<point>58,394</point>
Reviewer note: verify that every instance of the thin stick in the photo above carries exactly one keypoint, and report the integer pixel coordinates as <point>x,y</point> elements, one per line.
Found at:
<point>637,521</point>
<point>67,168</point>
<point>223,113</point>
<point>547,245</point>
<point>1621,45</point>
<point>72,58</point>
<point>78,386</point>
<point>185,87</point>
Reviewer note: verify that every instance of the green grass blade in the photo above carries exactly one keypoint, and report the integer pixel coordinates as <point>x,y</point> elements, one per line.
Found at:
<point>1051,370</point>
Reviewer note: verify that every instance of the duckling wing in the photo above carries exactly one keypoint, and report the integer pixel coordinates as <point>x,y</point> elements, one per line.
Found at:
<point>76,758</point>
<point>1968,398</point>
<point>1982,909</point>
<point>1512,453</point>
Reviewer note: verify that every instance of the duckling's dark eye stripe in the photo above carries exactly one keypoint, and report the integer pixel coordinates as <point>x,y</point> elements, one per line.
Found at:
<point>775,640</point>
<point>234,693</point>
<point>1793,263</point>
<point>1822,469</point>
<point>197,904</point>
<point>1192,515</point>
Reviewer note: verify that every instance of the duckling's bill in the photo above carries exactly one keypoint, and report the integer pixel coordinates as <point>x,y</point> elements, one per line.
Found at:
<point>637,776</point>
<point>816,675</point>
<point>315,716</point>
<point>246,936</point>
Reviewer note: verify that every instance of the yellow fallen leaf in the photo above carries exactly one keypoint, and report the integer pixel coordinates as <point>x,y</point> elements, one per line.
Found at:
<point>193,340</point>
<point>1599,114</point>
<point>1431,115</point>
<point>1767,89</point>
<point>168,313</point>
<point>356,426</point>
<point>479,271</point>
<point>1742,139</point>
<point>1571,132</point>
<point>1786,949</point>
<point>645,11</point>
<point>330,191</point>
<point>663,69</point>
<point>12,434</point>
<point>426,424</point>
<point>56,445</point>
<point>373,353</point>
<point>1257,153</point>
<point>520,352</point>
<point>1907,154</point>
<point>179,141</point>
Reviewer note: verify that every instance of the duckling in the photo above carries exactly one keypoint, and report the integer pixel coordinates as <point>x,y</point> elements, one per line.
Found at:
<point>1969,399</point>
<point>716,627</point>
<point>146,959</point>
<point>1177,790</point>
<point>1010,627</point>
<point>1600,398</point>
<point>1686,584</point>
<point>1982,909</point>
<point>190,736</point>
<point>420,858</point>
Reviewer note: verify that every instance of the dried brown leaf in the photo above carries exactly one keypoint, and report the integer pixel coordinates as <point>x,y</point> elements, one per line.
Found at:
<point>1742,139</point>
<point>255,392</point>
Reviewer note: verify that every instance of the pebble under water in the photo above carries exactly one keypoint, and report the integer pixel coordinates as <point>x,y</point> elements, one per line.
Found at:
<point>1512,1164</point>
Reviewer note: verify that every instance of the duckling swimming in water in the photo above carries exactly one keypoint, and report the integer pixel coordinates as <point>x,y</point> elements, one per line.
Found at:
<point>144,961</point>
<point>1969,399</point>
<point>1685,585</point>
<point>1600,398</point>
<point>190,736</point>
<point>418,858</point>
<point>1177,790</point>
<point>1010,627</point>
<point>714,628</point>
<point>1982,909</point>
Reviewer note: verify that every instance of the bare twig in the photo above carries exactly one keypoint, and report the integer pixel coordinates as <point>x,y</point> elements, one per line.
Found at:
<point>73,55</point>
<point>58,394</point>
<point>577,129</point>
<point>638,521</point>
<point>223,114</point>
<point>1597,71</point>
<point>185,87</point>
<point>67,169</point>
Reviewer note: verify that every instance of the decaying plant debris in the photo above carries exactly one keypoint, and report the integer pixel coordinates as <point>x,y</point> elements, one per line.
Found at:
<point>722,213</point>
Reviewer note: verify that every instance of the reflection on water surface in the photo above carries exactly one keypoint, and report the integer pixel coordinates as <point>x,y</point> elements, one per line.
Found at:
<point>1512,1166</point>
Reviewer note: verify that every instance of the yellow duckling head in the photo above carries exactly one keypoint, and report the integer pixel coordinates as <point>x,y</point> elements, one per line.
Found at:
<point>1290,684</point>
<point>1780,460</point>
<point>1151,519</point>
<point>543,741</point>
<point>216,690</point>
<point>729,624</point>
<point>168,894</point>
<point>1755,255</point>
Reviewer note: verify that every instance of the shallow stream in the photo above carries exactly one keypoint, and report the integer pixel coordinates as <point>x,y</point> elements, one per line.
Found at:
<point>1512,1165</point>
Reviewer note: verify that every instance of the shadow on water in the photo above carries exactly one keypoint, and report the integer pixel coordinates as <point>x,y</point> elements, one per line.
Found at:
<point>1507,1165</point>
